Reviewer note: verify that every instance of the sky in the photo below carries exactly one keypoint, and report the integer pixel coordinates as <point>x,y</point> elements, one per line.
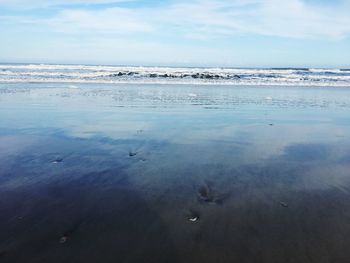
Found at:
<point>225,33</point>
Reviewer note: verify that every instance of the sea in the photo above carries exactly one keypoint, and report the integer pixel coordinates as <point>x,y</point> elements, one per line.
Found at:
<point>173,75</point>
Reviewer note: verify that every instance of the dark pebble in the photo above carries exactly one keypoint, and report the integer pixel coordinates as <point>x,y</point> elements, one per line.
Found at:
<point>283,204</point>
<point>63,239</point>
<point>58,160</point>
<point>132,154</point>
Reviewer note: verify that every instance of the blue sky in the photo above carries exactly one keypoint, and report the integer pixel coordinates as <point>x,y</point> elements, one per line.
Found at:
<point>237,33</point>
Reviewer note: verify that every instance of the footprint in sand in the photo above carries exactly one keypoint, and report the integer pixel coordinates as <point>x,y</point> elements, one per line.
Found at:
<point>207,194</point>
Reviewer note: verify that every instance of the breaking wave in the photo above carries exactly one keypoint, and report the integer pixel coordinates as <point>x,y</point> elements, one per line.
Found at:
<point>170,75</point>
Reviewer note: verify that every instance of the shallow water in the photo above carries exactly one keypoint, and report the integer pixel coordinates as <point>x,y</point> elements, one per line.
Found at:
<point>114,173</point>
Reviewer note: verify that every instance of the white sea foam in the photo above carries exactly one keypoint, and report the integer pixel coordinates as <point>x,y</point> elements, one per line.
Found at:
<point>169,75</point>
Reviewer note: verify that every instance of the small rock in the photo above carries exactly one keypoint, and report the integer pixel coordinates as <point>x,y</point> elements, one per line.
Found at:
<point>58,160</point>
<point>283,204</point>
<point>132,154</point>
<point>193,216</point>
<point>63,239</point>
<point>194,219</point>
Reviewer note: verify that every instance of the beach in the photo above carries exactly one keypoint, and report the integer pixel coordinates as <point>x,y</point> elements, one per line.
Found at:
<point>149,172</point>
<point>174,131</point>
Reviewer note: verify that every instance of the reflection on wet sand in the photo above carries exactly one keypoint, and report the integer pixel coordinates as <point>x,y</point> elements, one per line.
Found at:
<point>101,183</point>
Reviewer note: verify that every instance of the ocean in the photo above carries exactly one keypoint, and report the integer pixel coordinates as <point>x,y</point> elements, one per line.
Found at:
<point>173,75</point>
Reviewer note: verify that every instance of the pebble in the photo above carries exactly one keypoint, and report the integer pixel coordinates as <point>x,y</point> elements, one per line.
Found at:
<point>193,219</point>
<point>63,239</point>
<point>283,204</point>
<point>58,160</point>
<point>193,216</point>
<point>131,154</point>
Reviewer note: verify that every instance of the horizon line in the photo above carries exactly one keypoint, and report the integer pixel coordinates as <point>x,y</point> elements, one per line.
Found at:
<point>172,66</point>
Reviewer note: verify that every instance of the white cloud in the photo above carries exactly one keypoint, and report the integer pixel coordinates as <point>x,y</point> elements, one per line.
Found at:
<point>293,18</point>
<point>204,19</point>
<point>46,3</point>
<point>117,20</point>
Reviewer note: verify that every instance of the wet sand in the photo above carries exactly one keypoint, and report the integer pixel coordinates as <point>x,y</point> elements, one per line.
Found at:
<point>166,173</point>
